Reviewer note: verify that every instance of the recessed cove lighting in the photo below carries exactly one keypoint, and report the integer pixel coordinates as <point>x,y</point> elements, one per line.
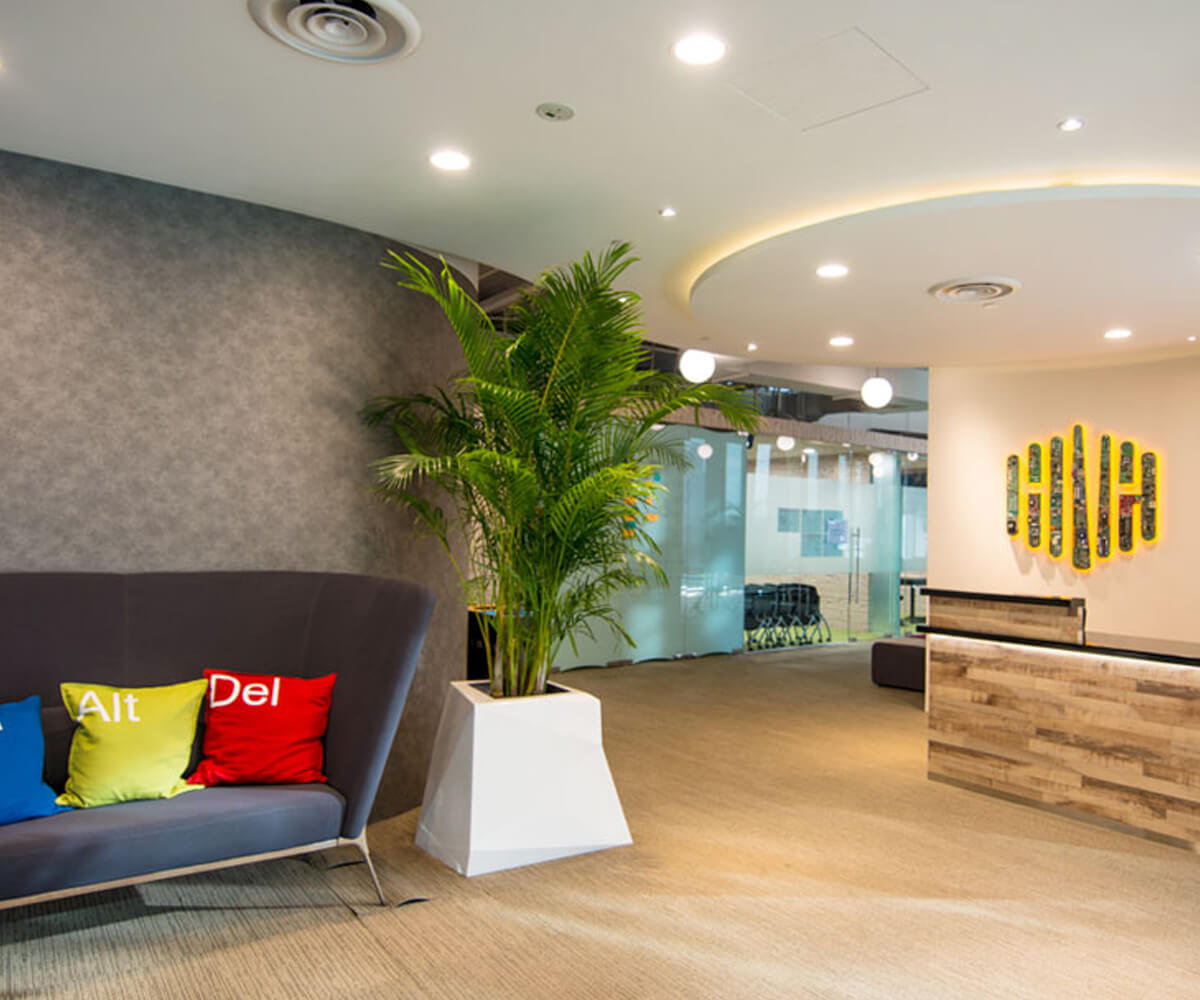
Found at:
<point>667,212</point>
<point>450,159</point>
<point>699,49</point>
<point>1072,124</point>
<point>832,271</point>
<point>841,340</point>
<point>1118,333</point>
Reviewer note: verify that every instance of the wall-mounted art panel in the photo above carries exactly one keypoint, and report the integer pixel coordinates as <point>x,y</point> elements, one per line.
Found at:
<point>1081,549</point>
<point>1035,463</point>
<point>1056,496</point>
<point>1012,502</point>
<point>1104,500</point>
<point>1135,497</point>
<point>1149,497</point>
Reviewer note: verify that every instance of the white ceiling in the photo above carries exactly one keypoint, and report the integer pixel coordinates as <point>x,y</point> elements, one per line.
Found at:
<point>820,109</point>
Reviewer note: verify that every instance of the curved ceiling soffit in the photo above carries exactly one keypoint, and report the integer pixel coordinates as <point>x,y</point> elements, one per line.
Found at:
<point>689,273</point>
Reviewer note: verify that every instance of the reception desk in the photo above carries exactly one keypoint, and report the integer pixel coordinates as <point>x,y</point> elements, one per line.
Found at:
<point>1023,703</point>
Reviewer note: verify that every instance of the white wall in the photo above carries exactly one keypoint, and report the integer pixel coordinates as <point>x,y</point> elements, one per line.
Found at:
<point>980,416</point>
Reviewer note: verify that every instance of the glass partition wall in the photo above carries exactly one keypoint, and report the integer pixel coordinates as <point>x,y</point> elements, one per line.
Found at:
<point>699,524</point>
<point>766,547</point>
<point>827,516</point>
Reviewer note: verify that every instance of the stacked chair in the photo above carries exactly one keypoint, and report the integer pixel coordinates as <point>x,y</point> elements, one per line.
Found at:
<point>783,614</point>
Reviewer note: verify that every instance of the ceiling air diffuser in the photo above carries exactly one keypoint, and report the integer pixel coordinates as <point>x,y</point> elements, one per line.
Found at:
<point>341,30</point>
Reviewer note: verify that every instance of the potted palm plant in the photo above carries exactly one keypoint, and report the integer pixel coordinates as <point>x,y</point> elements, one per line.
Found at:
<point>542,455</point>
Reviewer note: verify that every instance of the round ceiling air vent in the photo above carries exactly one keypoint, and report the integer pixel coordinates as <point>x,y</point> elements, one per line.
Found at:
<point>341,30</point>
<point>975,291</point>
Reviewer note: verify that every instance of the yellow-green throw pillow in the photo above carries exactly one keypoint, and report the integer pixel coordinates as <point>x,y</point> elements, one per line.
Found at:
<point>131,743</point>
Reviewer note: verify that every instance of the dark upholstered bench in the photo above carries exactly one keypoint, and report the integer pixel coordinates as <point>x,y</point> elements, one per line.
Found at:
<point>899,663</point>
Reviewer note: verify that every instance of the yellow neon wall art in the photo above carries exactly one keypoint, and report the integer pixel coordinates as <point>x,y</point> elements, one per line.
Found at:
<point>1062,505</point>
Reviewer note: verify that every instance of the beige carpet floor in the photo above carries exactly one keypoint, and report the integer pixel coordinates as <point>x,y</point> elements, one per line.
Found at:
<point>787,844</point>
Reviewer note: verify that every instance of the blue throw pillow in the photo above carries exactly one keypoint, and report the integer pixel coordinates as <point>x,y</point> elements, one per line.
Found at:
<point>23,793</point>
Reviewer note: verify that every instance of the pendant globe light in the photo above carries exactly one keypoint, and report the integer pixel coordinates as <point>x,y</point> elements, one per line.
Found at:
<point>876,391</point>
<point>696,365</point>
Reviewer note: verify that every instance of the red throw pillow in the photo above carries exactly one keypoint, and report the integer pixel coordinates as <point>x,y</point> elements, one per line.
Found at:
<point>263,729</point>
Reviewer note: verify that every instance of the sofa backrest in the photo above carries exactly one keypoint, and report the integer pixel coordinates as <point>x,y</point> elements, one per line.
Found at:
<point>160,628</point>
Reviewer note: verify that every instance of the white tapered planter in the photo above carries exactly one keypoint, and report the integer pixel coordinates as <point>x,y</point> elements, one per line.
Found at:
<point>515,781</point>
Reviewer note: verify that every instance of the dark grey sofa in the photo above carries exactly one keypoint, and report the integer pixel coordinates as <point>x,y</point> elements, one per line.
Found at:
<point>161,628</point>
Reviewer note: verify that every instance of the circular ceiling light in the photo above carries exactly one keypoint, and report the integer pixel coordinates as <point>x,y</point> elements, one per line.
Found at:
<point>876,392</point>
<point>752,347</point>
<point>341,30</point>
<point>667,212</point>
<point>450,159</point>
<point>832,271</point>
<point>913,456</point>
<point>974,291</point>
<point>696,365</point>
<point>1118,333</point>
<point>841,340</point>
<point>876,458</point>
<point>1192,339</point>
<point>699,49</point>
<point>1072,124</point>
<point>785,442</point>
<point>705,450</point>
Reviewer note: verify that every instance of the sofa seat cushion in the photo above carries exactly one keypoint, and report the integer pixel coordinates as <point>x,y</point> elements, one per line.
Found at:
<point>86,846</point>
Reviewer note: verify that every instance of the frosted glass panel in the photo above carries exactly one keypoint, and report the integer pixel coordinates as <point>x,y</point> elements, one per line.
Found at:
<point>701,532</point>
<point>823,516</point>
<point>883,546</point>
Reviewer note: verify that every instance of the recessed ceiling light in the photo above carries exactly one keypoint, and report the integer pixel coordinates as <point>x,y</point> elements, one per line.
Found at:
<point>841,340</point>
<point>1118,333</point>
<point>450,159</point>
<point>1071,124</point>
<point>1192,339</point>
<point>832,271</point>
<point>704,450</point>
<point>752,347</point>
<point>810,451</point>
<point>785,442</point>
<point>913,456</point>
<point>700,49</point>
<point>667,212</point>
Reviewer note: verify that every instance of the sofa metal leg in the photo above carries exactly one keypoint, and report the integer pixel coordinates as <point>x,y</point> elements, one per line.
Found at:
<point>360,842</point>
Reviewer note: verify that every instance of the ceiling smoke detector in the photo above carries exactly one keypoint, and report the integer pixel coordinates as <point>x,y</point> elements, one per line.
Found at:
<point>552,111</point>
<point>341,30</point>
<point>975,291</point>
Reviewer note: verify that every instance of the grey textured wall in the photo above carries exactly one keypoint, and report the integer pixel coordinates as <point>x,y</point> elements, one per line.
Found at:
<point>179,381</point>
